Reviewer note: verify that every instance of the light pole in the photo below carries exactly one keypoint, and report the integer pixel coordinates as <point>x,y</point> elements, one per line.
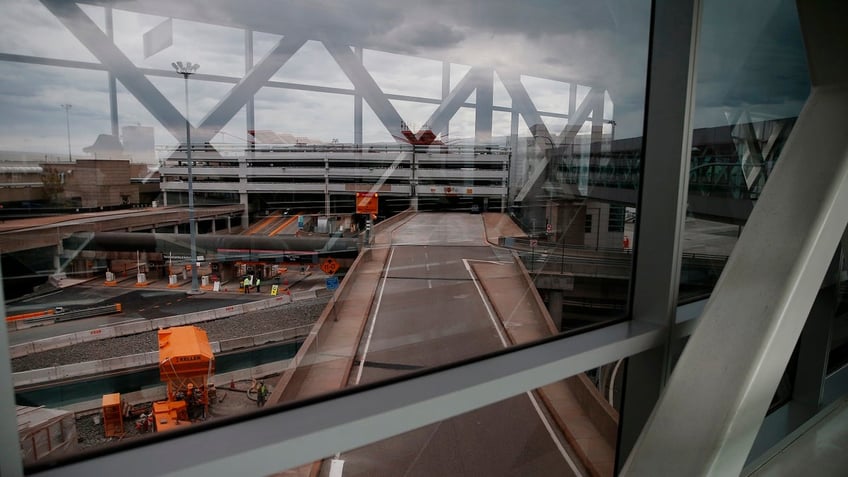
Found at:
<point>612,123</point>
<point>67,108</point>
<point>187,70</point>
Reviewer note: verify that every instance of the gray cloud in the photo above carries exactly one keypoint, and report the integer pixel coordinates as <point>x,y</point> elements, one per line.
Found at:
<point>591,42</point>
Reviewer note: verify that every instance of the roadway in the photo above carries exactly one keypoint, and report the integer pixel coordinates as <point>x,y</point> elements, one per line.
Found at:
<point>430,311</point>
<point>137,303</point>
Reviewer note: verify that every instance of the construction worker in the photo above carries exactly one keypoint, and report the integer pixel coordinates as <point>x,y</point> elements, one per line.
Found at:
<point>258,282</point>
<point>261,394</point>
<point>246,284</point>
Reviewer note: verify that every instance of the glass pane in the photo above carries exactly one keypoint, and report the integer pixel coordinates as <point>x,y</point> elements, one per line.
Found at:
<point>752,83</point>
<point>327,196</point>
<point>566,428</point>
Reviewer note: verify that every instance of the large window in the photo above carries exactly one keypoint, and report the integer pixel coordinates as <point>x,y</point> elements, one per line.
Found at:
<point>205,165</point>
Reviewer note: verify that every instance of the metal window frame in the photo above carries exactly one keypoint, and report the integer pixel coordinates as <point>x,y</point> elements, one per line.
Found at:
<point>276,440</point>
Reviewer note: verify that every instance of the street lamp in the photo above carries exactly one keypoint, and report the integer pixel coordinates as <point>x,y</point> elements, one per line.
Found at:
<point>67,108</point>
<point>187,70</point>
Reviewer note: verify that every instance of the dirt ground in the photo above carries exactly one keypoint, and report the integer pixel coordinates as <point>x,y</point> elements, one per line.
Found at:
<point>228,402</point>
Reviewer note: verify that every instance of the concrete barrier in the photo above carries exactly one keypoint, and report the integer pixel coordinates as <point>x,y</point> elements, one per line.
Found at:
<point>23,349</point>
<point>118,363</point>
<point>236,343</point>
<point>227,311</point>
<point>308,352</point>
<point>33,376</point>
<point>254,306</point>
<point>88,368</point>
<point>602,415</point>
<point>133,328</point>
<point>270,337</point>
<point>304,295</point>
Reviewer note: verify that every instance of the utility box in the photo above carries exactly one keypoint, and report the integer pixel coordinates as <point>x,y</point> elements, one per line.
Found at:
<point>113,417</point>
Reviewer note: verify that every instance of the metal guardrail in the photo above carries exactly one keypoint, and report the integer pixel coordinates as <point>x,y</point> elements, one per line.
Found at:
<point>87,313</point>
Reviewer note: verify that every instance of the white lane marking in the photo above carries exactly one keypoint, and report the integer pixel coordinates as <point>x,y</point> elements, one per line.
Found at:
<point>485,302</point>
<point>553,435</point>
<point>374,317</point>
<point>612,382</point>
<point>545,422</point>
<point>427,268</point>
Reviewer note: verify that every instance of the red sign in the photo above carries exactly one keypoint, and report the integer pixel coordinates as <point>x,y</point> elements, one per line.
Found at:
<point>329,266</point>
<point>366,203</point>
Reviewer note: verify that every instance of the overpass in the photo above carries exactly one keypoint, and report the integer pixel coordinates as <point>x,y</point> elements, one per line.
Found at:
<point>28,234</point>
<point>434,289</point>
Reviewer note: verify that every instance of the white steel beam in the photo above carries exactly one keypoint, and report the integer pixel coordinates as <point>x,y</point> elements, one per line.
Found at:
<point>117,63</point>
<point>244,91</point>
<point>438,121</point>
<point>365,86</point>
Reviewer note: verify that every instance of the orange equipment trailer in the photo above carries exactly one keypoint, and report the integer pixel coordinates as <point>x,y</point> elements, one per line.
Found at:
<point>186,364</point>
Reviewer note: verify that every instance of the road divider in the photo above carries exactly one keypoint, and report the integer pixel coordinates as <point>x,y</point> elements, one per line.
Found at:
<point>140,360</point>
<point>125,329</point>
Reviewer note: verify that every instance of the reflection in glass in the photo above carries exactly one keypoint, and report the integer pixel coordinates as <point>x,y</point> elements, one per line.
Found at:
<point>752,82</point>
<point>565,428</point>
<point>380,189</point>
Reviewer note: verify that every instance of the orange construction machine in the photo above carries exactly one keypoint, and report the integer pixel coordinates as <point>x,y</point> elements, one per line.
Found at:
<point>186,364</point>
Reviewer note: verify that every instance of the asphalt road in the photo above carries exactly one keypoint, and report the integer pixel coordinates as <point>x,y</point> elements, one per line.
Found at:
<point>428,312</point>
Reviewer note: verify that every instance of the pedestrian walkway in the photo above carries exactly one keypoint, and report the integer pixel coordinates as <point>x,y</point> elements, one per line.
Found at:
<point>572,402</point>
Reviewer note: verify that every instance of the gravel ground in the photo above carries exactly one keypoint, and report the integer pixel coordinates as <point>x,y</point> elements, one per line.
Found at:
<point>228,403</point>
<point>286,316</point>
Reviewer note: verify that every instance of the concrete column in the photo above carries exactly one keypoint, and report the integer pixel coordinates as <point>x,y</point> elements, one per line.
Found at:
<point>176,228</point>
<point>229,224</point>
<point>555,307</point>
<point>57,260</point>
<point>569,221</point>
<point>357,106</point>
<point>213,225</point>
<point>245,218</point>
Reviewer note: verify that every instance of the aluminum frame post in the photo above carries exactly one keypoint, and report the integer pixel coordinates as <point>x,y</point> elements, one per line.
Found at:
<point>662,204</point>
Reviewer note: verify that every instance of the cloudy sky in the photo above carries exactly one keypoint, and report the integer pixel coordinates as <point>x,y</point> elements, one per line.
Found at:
<point>751,58</point>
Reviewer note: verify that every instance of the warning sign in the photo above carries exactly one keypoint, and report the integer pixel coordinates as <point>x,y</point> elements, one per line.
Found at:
<point>366,203</point>
<point>329,266</point>
<point>274,290</point>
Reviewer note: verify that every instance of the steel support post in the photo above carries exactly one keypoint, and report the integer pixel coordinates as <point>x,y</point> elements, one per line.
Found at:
<point>483,108</point>
<point>113,86</point>
<point>357,105</point>
<point>11,464</point>
<point>249,112</point>
<point>662,204</point>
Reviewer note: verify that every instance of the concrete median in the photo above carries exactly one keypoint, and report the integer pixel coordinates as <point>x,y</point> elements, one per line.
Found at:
<point>236,343</point>
<point>125,329</point>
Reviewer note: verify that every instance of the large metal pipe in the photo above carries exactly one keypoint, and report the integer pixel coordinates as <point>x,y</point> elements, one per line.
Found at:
<point>158,242</point>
